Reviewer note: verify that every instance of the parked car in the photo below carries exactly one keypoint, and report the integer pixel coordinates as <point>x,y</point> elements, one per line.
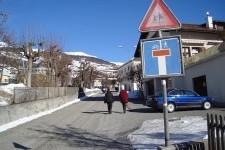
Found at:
<point>180,98</point>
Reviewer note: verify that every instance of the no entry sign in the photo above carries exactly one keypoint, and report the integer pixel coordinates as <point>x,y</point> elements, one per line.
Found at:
<point>162,57</point>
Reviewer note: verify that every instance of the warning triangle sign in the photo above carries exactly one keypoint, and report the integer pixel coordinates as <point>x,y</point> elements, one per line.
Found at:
<point>159,17</point>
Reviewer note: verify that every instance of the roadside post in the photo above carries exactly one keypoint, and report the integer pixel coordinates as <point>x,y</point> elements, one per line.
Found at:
<point>161,56</point>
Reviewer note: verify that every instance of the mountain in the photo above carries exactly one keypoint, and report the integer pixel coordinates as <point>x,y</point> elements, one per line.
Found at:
<point>100,64</point>
<point>79,54</point>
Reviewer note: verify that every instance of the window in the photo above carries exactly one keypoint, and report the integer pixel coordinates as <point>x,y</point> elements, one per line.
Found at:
<point>195,50</point>
<point>186,52</point>
<point>176,92</point>
<point>189,93</point>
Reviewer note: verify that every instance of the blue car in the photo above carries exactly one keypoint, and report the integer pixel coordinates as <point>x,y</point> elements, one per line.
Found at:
<point>180,98</point>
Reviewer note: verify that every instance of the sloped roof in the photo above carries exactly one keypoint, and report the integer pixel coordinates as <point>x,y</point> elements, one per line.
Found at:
<point>185,27</point>
<point>198,28</point>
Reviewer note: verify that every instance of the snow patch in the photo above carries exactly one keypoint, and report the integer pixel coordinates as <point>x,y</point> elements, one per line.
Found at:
<point>10,87</point>
<point>3,101</point>
<point>151,133</point>
<point>118,63</point>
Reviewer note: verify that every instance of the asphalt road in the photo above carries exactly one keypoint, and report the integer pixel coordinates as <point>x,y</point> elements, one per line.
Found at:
<point>86,125</point>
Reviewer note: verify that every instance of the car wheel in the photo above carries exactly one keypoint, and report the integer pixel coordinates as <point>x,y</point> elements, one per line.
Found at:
<point>170,107</point>
<point>206,105</point>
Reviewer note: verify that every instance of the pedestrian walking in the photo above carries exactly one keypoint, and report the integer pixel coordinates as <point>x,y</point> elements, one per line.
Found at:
<point>109,100</point>
<point>81,92</point>
<point>123,98</point>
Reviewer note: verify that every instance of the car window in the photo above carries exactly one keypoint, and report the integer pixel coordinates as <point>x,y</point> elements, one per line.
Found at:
<point>189,93</point>
<point>175,92</point>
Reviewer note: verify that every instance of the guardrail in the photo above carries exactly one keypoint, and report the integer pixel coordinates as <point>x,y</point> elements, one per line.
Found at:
<point>216,131</point>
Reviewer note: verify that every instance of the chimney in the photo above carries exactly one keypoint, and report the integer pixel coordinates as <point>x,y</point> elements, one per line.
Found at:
<point>209,21</point>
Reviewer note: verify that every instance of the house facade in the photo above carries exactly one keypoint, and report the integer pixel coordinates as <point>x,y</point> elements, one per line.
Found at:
<point>123,73</point>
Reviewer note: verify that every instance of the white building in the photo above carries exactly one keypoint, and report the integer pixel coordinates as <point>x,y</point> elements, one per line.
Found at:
<point>123,73</point>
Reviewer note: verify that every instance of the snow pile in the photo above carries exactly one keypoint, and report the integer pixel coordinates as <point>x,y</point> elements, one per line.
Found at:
<point>10,87</point>
<point>151,133</point>
<point>6,93</point>
<point>3,101</point>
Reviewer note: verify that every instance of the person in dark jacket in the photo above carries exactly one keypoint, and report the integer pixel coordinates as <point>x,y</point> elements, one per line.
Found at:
<point>81,92</point>
<point>123,98</point>
<point>109,100</point>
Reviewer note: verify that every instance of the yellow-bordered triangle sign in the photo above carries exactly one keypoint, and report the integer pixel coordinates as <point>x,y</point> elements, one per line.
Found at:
<point>159,17</point>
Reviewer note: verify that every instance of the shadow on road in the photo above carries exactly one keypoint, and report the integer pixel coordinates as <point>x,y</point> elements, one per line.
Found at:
<point>144,110</point>
<point>116,98</point>
<point>102,112</point>
<point>19,146</point>
<point>94,99</point>
<point>78,138</point>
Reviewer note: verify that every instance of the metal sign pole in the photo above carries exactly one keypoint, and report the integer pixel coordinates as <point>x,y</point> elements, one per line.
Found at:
<point>159,17</point>
<point>165,111</point>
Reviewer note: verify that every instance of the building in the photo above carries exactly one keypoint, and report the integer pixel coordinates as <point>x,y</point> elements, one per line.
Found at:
<point>195,39</point>
<point>123,73</point>
<point>9,75</point>
<point>204,74</point>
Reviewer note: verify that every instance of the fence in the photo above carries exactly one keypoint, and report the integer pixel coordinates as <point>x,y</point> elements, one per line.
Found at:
<point>216,131</point>
<point>24,94</point>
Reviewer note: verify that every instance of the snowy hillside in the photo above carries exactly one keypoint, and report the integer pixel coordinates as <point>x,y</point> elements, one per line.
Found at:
<point>79,54</point>
<point>99,64</point>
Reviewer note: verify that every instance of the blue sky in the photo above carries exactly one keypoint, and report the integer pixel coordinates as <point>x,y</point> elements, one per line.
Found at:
<point>107,29</point>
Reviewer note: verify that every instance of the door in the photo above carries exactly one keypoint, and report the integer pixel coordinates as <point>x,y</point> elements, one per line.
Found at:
<point>200,85</point>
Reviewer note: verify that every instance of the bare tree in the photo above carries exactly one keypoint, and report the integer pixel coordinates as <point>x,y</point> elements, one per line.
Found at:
<point>50,57</point>
<point>105,80</point>
<point>83,72</point>
<point>87,75</point>
<point>7,41</point>
<point>90,75</point>
<point>135,75</point>
<point>64,70</point>
<point>28,44</point>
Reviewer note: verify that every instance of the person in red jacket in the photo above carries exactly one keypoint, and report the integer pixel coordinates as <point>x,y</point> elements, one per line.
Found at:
<point>123,98</point>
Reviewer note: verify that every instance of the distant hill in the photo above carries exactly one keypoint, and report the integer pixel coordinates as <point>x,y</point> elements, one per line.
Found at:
<point>99,64</point>
<point>79,56</point>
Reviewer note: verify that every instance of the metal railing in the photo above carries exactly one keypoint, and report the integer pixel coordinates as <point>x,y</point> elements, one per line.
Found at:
<point>25,94</point>
<point>216,131</point>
